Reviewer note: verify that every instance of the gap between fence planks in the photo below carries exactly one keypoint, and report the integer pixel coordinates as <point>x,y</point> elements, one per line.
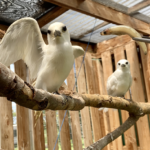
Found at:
<point>23,133</point>
<point>138,95</point>
<point>130,139</point>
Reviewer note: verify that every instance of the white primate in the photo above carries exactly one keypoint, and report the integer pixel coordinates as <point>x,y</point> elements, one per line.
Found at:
<point>50,63</point>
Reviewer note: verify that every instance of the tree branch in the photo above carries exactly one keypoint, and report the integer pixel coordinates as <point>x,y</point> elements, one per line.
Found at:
<point>22,93</point>
<point>113,135</point>
<point>15,89</point>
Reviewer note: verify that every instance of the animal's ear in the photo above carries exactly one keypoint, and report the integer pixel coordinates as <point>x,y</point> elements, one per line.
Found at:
<point>77,51</point>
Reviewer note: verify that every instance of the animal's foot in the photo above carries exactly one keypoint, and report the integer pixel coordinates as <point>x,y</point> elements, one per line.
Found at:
<point>56,92</point>
<point>129,100</point>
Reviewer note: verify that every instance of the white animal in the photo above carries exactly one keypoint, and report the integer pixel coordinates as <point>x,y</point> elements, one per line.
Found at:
<point>50,63</point>
<point>120,81</point>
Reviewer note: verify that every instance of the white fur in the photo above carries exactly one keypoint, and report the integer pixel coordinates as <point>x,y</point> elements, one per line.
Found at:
<point>50,63</point>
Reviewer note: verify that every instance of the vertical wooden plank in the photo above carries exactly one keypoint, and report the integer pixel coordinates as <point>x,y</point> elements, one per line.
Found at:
<point>6,125</point>
<point>65,133</point>
<point>103,116</point>
<point>51,129</point>
<point>138,95</point>
<point>23,133</point>
<point>75,122</point>
<point>113,114</point>
<point>91,90</point>
<point>146,70</point>
<point>38,131</point>
<point>102,89</point>
<point>130,138</point>
<point>85,114</point>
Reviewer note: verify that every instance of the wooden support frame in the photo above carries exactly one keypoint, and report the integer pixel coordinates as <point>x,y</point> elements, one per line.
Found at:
<point>97,27</point>
<point>54,13</point>
<point>111,44</point>
<point>138,6</point>
<point>103,12</point>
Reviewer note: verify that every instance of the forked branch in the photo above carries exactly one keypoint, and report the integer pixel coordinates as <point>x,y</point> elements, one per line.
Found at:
<point>15,89</point>
<point>100,144</point>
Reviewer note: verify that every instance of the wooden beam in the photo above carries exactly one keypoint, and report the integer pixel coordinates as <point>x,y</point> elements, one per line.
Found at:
<point>110,45</point>
<point>113,5</point>
<point>3,27</point>
<point>54,13</point>
<point>123,9</point>
<point>138,6</point>
<point>97,27</point>
<point>103,12</point>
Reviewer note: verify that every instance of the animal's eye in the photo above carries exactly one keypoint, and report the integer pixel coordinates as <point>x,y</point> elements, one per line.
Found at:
<point>105,32</point>
<point>64,28</point>
<point>49,31</point>
<point>126,62</point>
<point>118,63</point>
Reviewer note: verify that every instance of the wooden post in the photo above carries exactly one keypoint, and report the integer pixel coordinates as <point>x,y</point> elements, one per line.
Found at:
<point>104,116</point>
<point>75,122</point>
<point>23,133</point>
<point>65,133</point>
<point>146,70</point>
<point>130,138</point>
<point>6,125</point>
<point>85,114</point>
<point>113,114</point>
<point>91,90</point>
<point>138,95</point>
<point>38,131</point>
<point>51,129</point>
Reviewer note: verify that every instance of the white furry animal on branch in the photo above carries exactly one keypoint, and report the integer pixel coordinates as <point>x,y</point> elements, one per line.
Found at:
<point>120,81</point>
<point>50,63</point>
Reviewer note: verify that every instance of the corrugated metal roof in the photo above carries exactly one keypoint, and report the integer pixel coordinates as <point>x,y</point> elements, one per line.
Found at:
<point>78,24</point>
<point>145,11</point>
<point>128,3</point>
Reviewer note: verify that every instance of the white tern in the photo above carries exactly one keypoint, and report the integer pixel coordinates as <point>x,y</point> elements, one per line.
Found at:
<point>120,81</point>
<point>51,63</point>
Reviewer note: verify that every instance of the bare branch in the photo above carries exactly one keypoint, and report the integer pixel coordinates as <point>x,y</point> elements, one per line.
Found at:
<point>15,89</point>
<point>100,144</point>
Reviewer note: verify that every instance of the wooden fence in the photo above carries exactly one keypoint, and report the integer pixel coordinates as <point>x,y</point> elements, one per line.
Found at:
<point>82,128</point>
